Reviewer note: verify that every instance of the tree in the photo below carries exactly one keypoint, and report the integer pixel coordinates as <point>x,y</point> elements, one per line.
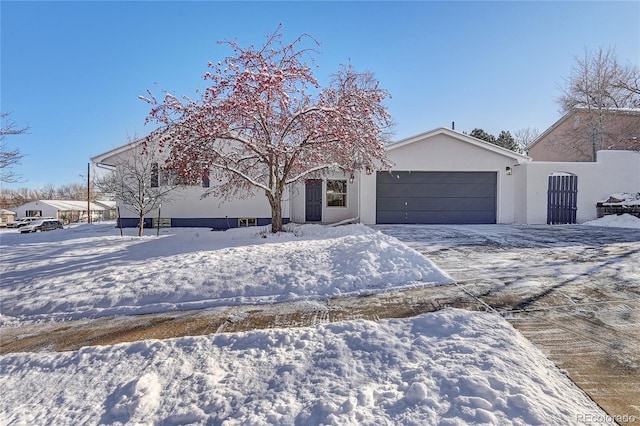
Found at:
<point>264,123</point>
<point>597,88</point>
<point>482,135</point>
<point>139,181</point>
<point>507,141</point>
<point>525,137</point>
<point>8,156</point>
<point>504,139</point>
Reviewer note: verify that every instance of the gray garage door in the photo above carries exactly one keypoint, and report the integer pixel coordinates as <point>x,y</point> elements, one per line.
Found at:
<point>436,197</point>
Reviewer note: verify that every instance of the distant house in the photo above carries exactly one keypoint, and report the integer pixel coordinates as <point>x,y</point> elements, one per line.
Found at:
<point>69,211</point>
<point>6,217</point>
<point>580,133</point>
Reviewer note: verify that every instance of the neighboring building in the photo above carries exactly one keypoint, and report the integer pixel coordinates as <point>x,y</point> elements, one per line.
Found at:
<point>6,217</point>
<point>438,177</point>
<point>69,211</point>
<point>580,133</point>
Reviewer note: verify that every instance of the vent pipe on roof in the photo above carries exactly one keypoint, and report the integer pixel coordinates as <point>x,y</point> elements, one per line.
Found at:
<point>453,125</point>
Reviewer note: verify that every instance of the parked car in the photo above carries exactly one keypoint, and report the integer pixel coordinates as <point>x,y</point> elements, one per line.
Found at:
<point>19,223</point>
<point>42,225</point>
<point>24,221</point>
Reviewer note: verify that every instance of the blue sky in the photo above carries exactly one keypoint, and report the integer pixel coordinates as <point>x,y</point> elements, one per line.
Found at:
<point>73,71</point>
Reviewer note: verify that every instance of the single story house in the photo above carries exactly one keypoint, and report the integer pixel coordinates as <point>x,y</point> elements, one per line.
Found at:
<point>438,177</point>
<point>6,217</point>
<point>69,211</point>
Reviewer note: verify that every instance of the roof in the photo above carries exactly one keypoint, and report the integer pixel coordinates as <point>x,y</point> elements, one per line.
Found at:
<point>106,203</point>
<point>520,158</point>
<point>100,158</point>
<point>624,111</point>
<point>8,212</point>
<point>71,205</point>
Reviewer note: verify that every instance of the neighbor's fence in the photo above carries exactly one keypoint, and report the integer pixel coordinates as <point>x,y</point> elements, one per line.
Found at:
<point>604,209</point>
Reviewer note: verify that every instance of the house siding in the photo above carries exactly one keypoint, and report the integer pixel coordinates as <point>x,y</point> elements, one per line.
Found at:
<point>219,223</point>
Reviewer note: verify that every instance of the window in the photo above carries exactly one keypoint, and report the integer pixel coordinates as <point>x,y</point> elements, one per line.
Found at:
<point>161,222</point>
<point>165,177</point>
<point>33,213</point>
<point>245,222</point>
<point>155,174</point>
<point>336,193</point>
<point>169,177</point>
<point>206,181</point>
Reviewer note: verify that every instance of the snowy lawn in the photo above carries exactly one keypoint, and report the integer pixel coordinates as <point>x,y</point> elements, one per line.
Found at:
<point>91,271</point>
<point>450,367</point>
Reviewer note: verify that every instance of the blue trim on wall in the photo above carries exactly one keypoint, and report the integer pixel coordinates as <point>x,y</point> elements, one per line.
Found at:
<point>217,223</point>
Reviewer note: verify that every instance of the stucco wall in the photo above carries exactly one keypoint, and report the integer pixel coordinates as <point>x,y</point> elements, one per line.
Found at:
<point>329,214</point>
<point>191,209</point>
<point>47,210</point>
<point>443,152</point>
<point>614,171</point>
<point>189,204</point>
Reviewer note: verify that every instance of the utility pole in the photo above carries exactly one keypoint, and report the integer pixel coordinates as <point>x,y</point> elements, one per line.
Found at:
<point>88,192</point>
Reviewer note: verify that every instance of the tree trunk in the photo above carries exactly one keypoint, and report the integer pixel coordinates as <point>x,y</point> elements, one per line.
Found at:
<point>275,201</point>
<point>141,225</point>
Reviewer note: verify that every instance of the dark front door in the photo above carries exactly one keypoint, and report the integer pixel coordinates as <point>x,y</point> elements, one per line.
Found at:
<point>562,199</point>
<point>313,200</point>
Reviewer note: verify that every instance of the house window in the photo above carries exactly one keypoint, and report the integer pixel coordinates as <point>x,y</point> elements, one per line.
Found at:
<point>155,175</point>
<point>336,193</point>
<point>161,222</point>
<point>245,222</point>
<point>169,177</point>
<point>33,213</point>
<point>206,181</point>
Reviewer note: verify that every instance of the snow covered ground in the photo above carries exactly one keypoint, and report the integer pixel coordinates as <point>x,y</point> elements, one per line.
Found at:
<point>452,367</point>
<point>448,367</point>
<point>616,221</point>
<point>91,271</point>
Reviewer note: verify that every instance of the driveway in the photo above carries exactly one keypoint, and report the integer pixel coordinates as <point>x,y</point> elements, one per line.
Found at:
<point>573,291</point>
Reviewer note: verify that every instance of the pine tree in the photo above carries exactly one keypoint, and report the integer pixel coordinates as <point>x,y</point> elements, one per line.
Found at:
<point>481,134</point>
<point>505,140</point>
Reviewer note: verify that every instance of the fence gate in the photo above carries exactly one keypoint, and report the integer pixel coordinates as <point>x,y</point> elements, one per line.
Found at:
<point>562,199</point>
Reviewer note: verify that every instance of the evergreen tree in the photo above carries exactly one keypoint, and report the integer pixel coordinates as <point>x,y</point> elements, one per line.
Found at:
<point>481,134</point>
<point>505,140</point>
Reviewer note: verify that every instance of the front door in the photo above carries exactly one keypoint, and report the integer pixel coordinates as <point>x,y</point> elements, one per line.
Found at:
<point>313,200</point>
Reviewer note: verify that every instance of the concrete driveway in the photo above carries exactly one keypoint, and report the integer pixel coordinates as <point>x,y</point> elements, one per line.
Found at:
<point>573,291</point>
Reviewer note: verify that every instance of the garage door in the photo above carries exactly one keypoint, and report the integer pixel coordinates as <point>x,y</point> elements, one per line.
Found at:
<point>436,197</point>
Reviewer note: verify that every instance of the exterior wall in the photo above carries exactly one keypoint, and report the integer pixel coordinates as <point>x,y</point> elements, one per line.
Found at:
<point>189,209</point>
<point>569,139</point>
<point>443,152</point>
<point>6,217</point>
<point>614,171</point>
<point>329,214</point>
<point>47,210</point>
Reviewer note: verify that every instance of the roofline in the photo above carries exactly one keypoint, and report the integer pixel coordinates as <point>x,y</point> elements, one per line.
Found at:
<point>521,158</point>
<point>99,159</point>
<point>626,111</point>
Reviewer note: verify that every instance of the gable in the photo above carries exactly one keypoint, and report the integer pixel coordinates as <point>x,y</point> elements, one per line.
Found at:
<point>444,149</point>
<point>570,138</point>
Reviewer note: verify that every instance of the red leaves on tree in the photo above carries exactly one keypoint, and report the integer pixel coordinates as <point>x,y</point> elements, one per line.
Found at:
<point>264,122</point>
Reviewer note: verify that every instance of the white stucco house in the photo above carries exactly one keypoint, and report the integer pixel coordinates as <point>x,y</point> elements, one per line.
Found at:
<point>67,210</point>
<point>438,177</point>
